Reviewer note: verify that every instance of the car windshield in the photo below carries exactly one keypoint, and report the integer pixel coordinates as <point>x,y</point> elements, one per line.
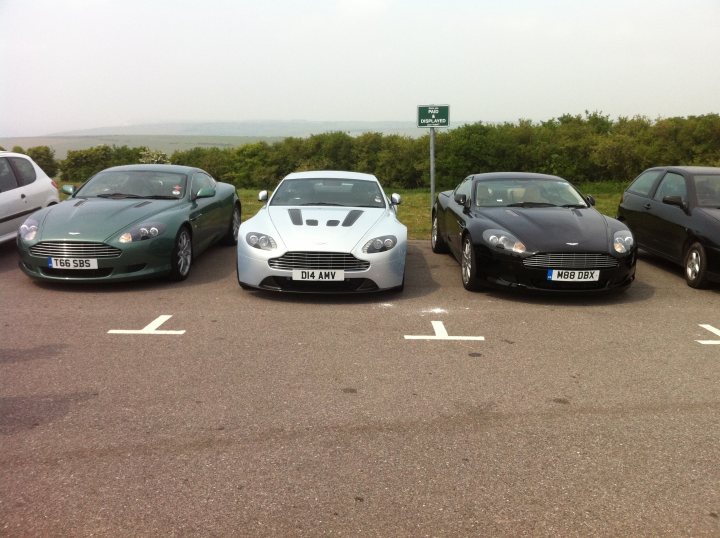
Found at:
<point>333,192</point>
<point>527,193</point>
<point>707,187</point>
<point>135,184</point>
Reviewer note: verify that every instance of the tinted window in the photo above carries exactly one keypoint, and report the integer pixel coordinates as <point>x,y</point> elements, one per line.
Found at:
<point>7,177</point>
<point>201,181</point>
<point>643,184</point>
<point>464,188</point>
<point>707,188</point>
<point>24,170</point>
<point>328,191</point>
<point>671,185</point>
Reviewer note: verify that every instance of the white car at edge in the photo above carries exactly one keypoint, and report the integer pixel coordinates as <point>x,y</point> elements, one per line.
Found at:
<point>24,189</point>
<point>324,232</point>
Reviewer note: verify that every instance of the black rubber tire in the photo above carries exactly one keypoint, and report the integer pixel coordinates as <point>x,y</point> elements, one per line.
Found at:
<point>695,266</point>
<point>182,255</point>
<point>468,265</point>
<point>437,243</point>
<point>231,237</point>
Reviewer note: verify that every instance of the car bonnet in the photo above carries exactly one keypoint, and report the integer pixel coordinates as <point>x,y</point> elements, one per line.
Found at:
<point>337,229</point>
<point>97,218</point>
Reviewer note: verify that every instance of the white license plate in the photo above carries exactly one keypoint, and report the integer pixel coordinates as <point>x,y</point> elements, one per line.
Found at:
<point>573,275</point>
<point>72,263</point>
<point>317,274</point>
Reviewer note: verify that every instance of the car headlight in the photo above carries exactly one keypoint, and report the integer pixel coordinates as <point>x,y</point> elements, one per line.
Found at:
<point>380,244</point>
<point>261,241</point>
<point>142,232</point>
<point>29,229</point>
<point>623,242</point>
<point>500,239</point>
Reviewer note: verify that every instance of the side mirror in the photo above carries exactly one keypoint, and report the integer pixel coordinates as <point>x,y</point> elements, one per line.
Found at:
<point>676,200</point>
<point>395,199</point>
<point>68,189</point>
<point>590,200</point>
<point>461,199</point>
<point>262,196</point>
<point>205,192</point>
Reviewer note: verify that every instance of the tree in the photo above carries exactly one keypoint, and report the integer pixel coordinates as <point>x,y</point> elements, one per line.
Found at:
<point>44,156</point>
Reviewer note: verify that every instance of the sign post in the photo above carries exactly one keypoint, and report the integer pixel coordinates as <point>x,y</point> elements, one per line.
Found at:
<point>432,116</point>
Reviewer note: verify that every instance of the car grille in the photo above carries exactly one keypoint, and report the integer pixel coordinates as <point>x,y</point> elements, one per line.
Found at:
<point>571,260</point>
<point>318,260</point>
<point>70,249</point>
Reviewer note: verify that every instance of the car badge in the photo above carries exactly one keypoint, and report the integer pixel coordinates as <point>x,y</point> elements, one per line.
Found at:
<point>74,233</point>
<point>572,244</point>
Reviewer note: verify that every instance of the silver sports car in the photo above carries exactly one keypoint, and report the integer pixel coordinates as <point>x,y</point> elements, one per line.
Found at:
<point>324,231</point>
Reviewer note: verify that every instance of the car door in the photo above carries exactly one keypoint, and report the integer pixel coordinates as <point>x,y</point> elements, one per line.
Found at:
<point>666,223</point>
<point>636,204</point>
<point>456,216</point>
<point>205,214</point>
<point>14,206</point>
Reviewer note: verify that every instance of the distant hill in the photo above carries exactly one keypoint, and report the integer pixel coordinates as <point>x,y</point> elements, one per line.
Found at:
<point>170,137</point>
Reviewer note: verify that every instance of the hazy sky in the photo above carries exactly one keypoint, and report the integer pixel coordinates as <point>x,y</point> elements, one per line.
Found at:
<point>75,64</point>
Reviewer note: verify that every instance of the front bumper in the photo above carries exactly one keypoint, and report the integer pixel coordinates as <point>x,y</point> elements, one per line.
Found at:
<point>503,270</point>
<point>386,270</point>
<point>135,261</point>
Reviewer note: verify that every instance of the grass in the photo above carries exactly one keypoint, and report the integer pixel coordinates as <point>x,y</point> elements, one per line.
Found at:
<point>414,212</point>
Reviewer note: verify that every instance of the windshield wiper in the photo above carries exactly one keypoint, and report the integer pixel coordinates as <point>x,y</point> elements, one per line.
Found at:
<point>575,206</point>
<point>531,204</point>
<point>162,197</point>
<point>118,195</point>
<point>319,203</point>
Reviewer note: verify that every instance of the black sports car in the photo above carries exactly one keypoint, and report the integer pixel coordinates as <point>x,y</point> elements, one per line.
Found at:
<point>674,212</point>
<point>533,231</point>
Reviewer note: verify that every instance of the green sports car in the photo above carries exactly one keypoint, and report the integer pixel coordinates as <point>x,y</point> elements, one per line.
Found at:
<point>130,222</point>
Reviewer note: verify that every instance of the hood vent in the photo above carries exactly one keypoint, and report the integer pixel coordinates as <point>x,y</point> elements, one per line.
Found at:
<point>352,217</point>
<point>81,202</point>
<point>333,222</point>
<point>311,222</point>
<point>295,216</point>
<point>141,204</point>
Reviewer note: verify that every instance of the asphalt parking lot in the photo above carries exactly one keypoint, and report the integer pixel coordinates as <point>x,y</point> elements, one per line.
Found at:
<point>201,409</point>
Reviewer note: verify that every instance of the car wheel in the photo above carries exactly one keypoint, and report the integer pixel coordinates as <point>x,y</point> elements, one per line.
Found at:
<point>696,266</point>
<point>182,255</point>
<point>468,265</point>
<point>231,236</point>
<point>436,241</point>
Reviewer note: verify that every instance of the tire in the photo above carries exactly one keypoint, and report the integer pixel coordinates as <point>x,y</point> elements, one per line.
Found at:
<point>436,241</point>
<point>231,237</point>
<point>468,265</point>
<point>182,255</point>
<point>695,264</point>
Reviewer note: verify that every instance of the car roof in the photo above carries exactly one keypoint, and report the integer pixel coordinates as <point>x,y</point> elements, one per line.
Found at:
<point>330,174</point>
<point>5,153</point>
<point>514,175</point>
<point>176,168</point>
<point>689,169</point>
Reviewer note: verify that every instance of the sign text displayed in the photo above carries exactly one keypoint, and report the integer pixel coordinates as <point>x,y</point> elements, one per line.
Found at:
<point>433,116</point>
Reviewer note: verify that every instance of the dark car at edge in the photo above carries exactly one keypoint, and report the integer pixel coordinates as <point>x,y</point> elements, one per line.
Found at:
<point>674,213</point>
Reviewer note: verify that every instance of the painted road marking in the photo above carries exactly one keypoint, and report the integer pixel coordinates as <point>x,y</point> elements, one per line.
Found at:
<point>441,334</point>
<point>712,330</point>
<point>151,328</point>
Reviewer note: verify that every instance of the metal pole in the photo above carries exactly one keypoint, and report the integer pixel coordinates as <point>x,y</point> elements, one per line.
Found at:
<point>432,167</point>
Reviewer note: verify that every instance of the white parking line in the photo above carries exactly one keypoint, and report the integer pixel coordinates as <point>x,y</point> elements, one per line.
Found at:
<point>441,334</point>
<point>712,330</point>
<point>151,328</point>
